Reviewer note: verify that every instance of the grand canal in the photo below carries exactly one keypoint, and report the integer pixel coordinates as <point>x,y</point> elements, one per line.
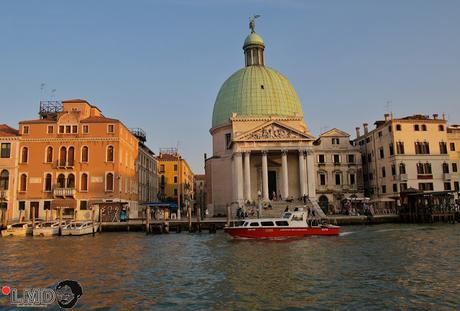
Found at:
<point>366,268</point>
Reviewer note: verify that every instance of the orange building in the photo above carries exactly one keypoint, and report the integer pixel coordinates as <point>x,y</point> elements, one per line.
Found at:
<point>74,158</point>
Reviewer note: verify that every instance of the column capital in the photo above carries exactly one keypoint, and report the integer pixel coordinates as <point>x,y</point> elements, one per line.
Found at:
<point>264,151</point>
<point>309,151</point>
<point>284,151</point>
<point>302,152</point>
<point>247,152</point>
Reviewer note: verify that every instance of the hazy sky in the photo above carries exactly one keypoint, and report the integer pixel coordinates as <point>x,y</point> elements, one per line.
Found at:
<point>158,65</point>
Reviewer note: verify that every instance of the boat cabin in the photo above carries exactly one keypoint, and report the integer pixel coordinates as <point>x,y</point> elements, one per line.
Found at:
<point>288,219</point>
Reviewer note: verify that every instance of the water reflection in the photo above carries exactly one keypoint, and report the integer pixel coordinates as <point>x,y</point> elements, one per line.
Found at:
<point>379,267</point>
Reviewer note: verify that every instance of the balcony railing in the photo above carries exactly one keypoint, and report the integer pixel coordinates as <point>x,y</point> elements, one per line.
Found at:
<point>446,176</point>
<point>403,177</point>
<point>64,192</point>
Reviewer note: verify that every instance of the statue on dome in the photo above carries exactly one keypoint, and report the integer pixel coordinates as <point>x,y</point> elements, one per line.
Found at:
<point>252,23</point>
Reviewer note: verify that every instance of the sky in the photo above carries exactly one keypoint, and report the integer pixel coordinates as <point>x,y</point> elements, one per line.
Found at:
<point>158,65</point>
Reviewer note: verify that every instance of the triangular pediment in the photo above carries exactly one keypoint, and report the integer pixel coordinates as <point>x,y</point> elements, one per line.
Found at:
<point>335,132</point>
<point>274,131</point>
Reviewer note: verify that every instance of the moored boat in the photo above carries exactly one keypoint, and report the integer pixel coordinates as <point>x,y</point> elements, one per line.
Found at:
<point>18,229</point>
<point>80,228</point>
<point>291,224</point>
<point>49,228</point>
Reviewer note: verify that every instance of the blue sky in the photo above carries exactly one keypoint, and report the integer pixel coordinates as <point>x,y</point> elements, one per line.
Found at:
<point>158,65</point>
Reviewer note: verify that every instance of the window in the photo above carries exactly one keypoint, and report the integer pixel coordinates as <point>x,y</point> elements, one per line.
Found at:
<point>389,129</point>
<point>282,223</point>
<point>442,148</point>
<point>61,129</point>
<point>267,223</point>
<point>322,179</point>
<point>384,189</point>
<point>74,129</point>
<point>109,182</point>
<point>4,180</point>
<point>398,127</point>
<point>162,168</point>
<point>441,128</point>
<point>6,150</point>
<point>424,169</point>
<point>84,154</point>
<point>175,167</point>
<point>380,134</point>
<point>48,182</point>
<point>382,153</point>
<point>228,141</point>
<point>25,129</point>
<point>456,186</point>
<point>422,148</point>
<point>22,205</point>
<point>23,183</point>
<point>85,129</point>
<point>452,146</point>
<point>383,172</point>
<point>50,129</point>
<point>454,167</point>
<point>254,224</point>
<point>83,205</point>
<point>423,127</point>
<point>84,182</point>
<point>445,168</point>
<point>400,147</point>
<point>175,179</point>
<point>402,168</point>
<point>393,170</point>
<point>392,150</point>
<point>49,154</point>
<point>110,154</point>
<point>447,186</point>
<point>25,155</point>
<point>395,187</point>
<point>61,181</point>
<point>321,158</point>
<point>71,181</point>
<point>175,192</point>
<point>68,128</point>
<point>351,158</point>
<point>352,179</point>
<point>338,177</point>
<point>71,156</point>
<point>110,128</point>
<point>335,141</point>
<point>416,127</point>
<point>402,186</point>
<point>336,159</point>
<point>62,156</point>
<point>47,205</point>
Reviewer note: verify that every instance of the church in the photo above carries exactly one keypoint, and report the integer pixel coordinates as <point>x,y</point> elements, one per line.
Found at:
<point>263,150</point>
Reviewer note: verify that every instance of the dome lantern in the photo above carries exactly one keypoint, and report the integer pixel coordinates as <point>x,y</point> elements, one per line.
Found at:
<point>253,46</point>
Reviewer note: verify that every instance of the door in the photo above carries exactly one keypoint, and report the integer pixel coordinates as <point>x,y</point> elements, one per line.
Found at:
<point>33,210</point>
<point>272,184</point>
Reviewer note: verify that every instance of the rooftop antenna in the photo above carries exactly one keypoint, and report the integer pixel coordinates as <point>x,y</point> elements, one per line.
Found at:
<point>388,106</point>
<point>42,91</point>
<point>53,94</point>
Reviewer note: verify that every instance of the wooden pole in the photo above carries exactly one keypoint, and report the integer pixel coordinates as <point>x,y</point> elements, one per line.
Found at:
<point>147,223</point>
<point>60,221</point>
<point>33,216</point>
<point>100,217</point>
<point>189,212</point>
<point>92,220</point>
<point>229,209</point>
<point>46,216</point>
<point>198,218</point>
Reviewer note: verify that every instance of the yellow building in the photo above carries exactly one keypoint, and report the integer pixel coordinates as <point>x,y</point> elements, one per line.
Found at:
<point>9,142</point>
<point>73,158</point>
<point>175,177</point>
<point>453,138</point>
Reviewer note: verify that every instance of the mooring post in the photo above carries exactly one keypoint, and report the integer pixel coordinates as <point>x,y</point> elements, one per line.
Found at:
<point>60,221</point>
<point>198,218</point>
<point>189,212</point>
<point>100,218</point>
<point>147,222</point>
<point>92,221</point>
<point>228,214</point>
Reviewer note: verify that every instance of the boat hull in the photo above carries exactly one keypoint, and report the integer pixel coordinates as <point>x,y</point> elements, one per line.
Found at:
<point>83,231</point>
<point>271,233</point>
<point>16,232</point>
<point>45,231</point>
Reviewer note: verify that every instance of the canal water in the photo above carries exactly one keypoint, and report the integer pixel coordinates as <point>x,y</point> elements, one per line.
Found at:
<point>366,268</point>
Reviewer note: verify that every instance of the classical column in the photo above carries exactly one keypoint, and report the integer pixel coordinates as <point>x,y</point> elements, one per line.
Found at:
<point>311,186</point>
<point>238,158</point>
<point>264,176</point>
<point>284,174</point>
<point>302,172</point>
<point>247,176</point>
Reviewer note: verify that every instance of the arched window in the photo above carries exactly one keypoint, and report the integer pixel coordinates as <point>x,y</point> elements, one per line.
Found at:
<point>23,182</point>
<point>109,182</point>
<point>71,156</point>
<point>49,154</point>
<point>445,168</point>
<point>48,182</point>
<point>84,154</point>
<point>4,180</point>
<point>402,168</point>
<point>84,182</point>
<point>71,181</point>
<point>63,156</point>
<point>25,155</point>
<point>110,154</point>
<point>61,181</point>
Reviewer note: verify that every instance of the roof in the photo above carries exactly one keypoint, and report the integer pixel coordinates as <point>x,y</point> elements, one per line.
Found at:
<point>253,38</point>
<point>167,157</point>
<point>200,177</point>
<point>100,119</point>
<point>6,130</point>
<point>335,132</point>
<point>78,100</point>
<point>38,121</point>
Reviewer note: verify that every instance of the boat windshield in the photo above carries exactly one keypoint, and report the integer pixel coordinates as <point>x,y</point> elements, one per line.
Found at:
<point>287,215</point>
<point>254,224</point>
<point>20,225</point>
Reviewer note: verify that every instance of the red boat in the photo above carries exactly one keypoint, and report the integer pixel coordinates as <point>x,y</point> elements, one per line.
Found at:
<point>291,224</point>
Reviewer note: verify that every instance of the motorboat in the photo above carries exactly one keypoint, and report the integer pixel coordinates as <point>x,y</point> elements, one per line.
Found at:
<point>48,228</point>
<point>80,228</point>
<point>291,224</point>
<point>18,229</point>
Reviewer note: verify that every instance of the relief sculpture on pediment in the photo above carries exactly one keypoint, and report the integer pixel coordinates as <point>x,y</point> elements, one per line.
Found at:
<point>272,132</point>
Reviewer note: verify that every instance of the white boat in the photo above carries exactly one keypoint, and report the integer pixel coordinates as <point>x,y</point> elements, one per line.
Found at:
<point>49,228</point>
<point>18,229</point>
<point>80,228</point>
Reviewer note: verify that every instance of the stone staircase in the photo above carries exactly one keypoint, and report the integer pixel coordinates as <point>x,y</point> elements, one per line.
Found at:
<point>278,208</point>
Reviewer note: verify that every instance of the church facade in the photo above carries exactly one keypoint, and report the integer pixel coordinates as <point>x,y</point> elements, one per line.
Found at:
<point>262,147</point>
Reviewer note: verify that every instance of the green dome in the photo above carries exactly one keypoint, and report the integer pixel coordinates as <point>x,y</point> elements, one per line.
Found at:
<point>253,38</point>
<point>255,91</point>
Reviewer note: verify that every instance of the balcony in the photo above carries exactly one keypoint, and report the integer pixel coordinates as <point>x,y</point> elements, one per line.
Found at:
<point>403,177</point>
<point>64,165</point>
<point>64,192</point>
<point>446,176</point>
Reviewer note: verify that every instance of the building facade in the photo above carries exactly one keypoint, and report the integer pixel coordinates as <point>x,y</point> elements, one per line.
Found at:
<point>453,138</point>
<point>338,169</point>
<point>200,192</point>
<point>402,153</point>
<point>9,143</point>
<point>74,158</point>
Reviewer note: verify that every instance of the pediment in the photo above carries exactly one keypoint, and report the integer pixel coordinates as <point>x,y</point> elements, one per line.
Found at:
<point>274,131</point>
<point>335,132</point>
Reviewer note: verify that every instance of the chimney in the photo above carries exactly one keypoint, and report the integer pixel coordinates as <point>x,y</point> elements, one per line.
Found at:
<point>443,116</point>
<point>435,116</point>
<point>387,117</point>
<point>358,133</point>
<point>366,129</point>
<point>205,157</point>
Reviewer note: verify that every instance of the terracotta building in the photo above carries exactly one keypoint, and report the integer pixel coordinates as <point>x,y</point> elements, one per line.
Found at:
<point>74,158</point>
